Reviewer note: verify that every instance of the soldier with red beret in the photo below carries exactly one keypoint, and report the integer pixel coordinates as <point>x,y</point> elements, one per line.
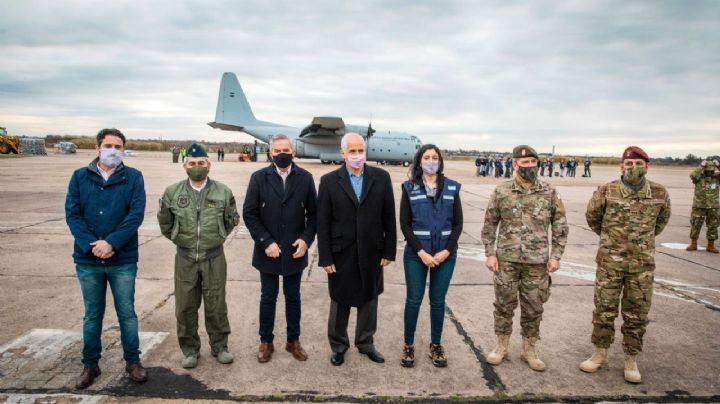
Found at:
<point>627,214</point>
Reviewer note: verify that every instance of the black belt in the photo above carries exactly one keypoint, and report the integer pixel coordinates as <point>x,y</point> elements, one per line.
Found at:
<point>210,253</point>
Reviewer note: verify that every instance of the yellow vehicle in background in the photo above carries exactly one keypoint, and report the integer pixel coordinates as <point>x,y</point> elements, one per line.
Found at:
<point>8,144</point>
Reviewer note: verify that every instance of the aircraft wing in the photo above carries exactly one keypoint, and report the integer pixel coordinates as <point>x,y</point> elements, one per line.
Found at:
<point>323,130</point>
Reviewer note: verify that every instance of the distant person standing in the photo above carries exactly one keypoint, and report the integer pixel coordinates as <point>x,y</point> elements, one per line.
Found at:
<point>491,166</point>
<point>587,167</point>
<point>484,166</point>
<point>541,166</point>
<point>219,153</point>
<point>280,211</point>
<point>706,204</point>
<point>104,208</point>
<point>478,166</point>
<point>183,153</point>
<point>498,167</point>
<point>431,221</point>
<point>508,167</point>
<point>551,163</point>
<point>562,167</point>
<point>222,154</point>
<point>175,154</point>
<point>356,240</point>
<point>627,214</point>
<point>522,216</point>
<point>197,214</point>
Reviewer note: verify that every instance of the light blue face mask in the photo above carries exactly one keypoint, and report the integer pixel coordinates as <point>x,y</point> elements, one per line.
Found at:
<point>111,157</point>
<point>430,168</point>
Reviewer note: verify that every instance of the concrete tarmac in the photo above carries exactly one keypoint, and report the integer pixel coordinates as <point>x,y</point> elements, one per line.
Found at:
<point>41,308</point>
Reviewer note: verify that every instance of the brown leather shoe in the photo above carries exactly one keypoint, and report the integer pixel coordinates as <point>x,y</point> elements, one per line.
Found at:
<point>136,372</point>
<point>87,377</point>
<point>265,352</point>
<point>296,350</point>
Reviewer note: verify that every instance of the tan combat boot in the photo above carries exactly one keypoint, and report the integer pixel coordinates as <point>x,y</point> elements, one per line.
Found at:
<point>632,373</point>
<point>528,355</point>
<point>711,247</point>
<point>596,361</point>
<point>692,246</point>
<point>498,354</point>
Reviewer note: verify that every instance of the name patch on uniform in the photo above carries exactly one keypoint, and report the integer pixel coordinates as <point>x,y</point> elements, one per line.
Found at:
<point>183,201</point>
<point>448,197</point>
<point>452,187</point>
<point>211,204</point>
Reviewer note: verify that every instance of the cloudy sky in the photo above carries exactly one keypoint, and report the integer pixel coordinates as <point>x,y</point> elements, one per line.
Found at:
<point>585,76</point>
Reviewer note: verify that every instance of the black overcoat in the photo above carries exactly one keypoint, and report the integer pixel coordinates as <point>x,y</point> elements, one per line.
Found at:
<point>355,235</point>
<point>273,214</point>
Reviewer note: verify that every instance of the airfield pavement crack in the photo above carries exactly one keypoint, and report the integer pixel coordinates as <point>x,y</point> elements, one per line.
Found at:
<point>14,229</point>
<point>690,261</point>
<point>492,379</point>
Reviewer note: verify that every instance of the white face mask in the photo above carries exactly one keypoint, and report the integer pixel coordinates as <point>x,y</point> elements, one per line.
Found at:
<point>111,157</point>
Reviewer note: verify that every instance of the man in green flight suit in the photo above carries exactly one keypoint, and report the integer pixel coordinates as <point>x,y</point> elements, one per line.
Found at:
<point>706,204</point>
<point>197,215</point>
<point>627,214</point>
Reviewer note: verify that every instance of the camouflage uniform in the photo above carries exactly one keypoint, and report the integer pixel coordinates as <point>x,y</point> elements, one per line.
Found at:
<point>523,216</point>
<point>627,222</point>
<point>706,204</point>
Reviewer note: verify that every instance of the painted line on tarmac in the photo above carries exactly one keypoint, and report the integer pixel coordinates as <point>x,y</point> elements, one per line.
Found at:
<point>587,273</point>
<point>53,398</point>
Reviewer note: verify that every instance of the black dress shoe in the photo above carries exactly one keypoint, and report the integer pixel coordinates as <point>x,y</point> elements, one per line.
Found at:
<point>337,358</point>
<point>374,356</point>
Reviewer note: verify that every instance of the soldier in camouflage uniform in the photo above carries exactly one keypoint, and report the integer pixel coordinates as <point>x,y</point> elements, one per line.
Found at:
<point>524,209</point>
<point>197,214</point>
<point>627,214</point>
<point>706,206</point>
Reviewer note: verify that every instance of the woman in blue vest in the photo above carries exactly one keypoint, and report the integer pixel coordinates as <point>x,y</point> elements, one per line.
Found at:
<point>431,220</point>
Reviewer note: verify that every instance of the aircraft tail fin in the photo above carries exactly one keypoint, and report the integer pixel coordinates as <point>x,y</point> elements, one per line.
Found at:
<point>233,108</point>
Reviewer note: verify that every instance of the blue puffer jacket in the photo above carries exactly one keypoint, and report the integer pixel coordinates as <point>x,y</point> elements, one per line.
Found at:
<point>111,211</point>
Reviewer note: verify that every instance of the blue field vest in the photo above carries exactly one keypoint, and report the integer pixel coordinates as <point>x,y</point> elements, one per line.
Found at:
<point>432,223</point>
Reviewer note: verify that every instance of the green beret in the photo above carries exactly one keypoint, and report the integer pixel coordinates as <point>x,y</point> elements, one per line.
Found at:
<point>524,151</point>
<point>195,150</point>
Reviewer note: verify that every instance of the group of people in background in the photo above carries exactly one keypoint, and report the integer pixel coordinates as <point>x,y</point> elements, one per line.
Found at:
<point>493,166</point>
<point>353,217</point>
<point>485,166</point>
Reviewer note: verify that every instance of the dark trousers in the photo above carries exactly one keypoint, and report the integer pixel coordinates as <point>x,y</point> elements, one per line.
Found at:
<point>269,288</point>
<point>364,329</point>
<point>416,274</point>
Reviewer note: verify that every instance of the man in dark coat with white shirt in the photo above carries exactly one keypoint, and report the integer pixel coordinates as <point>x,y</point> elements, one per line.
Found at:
<point>280,213</point>
<point>356,240</point>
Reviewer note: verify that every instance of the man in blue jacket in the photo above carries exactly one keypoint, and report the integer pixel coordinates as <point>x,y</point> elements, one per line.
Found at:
<point>104,208</point>
<point>280,213</point>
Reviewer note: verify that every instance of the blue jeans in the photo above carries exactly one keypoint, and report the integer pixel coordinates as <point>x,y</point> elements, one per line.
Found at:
<point>93,283</point>
<point>415,279</point>
<point>269,288</point>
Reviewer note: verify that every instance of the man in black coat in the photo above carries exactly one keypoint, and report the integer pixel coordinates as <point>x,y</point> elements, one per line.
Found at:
<point>356,239</point>
<point>280,213</point>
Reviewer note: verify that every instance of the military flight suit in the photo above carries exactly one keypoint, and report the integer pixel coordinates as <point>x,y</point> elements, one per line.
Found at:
<point>627,222</point>
<point>706,203</point>
<point>521,247</point>
<point>198,223</point>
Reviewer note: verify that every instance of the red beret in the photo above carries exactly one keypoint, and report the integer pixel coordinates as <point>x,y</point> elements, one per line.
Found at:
<point>634,152</point>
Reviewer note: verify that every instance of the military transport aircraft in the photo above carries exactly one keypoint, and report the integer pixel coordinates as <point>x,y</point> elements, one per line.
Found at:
<point>320,139</point>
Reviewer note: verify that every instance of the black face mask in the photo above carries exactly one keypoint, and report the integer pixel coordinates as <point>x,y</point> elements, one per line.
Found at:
<point>283,160</point>
<point>528,173</point>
